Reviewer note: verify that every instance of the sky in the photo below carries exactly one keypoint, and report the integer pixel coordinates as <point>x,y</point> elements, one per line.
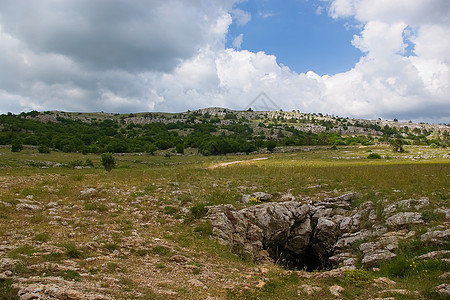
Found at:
<point>357,58</point>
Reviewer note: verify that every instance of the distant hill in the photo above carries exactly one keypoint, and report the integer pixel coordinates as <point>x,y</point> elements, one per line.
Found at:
<point>208,131</point>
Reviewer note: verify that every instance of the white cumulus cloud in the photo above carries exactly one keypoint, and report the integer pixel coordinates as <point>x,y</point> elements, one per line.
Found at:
<point>129,56</point>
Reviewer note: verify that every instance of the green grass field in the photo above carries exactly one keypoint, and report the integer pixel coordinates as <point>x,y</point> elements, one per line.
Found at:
<point>126,234</point>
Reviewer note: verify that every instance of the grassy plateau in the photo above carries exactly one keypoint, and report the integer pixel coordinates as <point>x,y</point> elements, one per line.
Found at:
<point>137,233</point>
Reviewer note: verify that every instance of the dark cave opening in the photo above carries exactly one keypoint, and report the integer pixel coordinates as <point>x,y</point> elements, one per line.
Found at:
<point>309,260</point>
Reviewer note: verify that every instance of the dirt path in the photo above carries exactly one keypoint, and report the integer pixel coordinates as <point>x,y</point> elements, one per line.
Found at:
<point>235,162</point>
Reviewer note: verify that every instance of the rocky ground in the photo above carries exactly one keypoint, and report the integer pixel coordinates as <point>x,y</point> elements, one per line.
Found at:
<point>128,234</point>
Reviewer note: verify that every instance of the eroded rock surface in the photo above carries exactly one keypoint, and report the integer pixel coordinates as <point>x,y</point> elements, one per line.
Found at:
<point>326,234</point>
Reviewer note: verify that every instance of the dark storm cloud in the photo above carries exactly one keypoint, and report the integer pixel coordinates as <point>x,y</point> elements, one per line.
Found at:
<point>102,34</point>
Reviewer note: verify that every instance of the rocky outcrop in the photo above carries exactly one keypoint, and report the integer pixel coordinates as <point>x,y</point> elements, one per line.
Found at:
<point>320,234</point>
<point>55,288</point>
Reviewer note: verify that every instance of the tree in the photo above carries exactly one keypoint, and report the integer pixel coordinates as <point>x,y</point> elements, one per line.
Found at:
<point>180,148</point>
<point>271,144</point>
<point>397,145</point>
<point>151,148</point>
<point>108,161</point>
<point>16,146</point>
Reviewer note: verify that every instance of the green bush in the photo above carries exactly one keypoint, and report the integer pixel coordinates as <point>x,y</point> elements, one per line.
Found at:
<point>374,156</point>
<point>6,289</point>
<point>42,237</point>
<point>199,210</point>
<point>16,146</point>
<point>357,277</point>
<point>73,252</point>
<point>108,161</point>
<point>43,149</point>
<point>89,163</point>
<point>205,228</point>
<point>161,250</point>
<point>170,210</point>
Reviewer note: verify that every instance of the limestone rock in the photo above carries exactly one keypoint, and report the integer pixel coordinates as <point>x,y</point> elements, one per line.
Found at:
<point>89,192</point>
<point>6,264</point>
<point>404,218</point>
<point>336,290</point>
<point>196,282</point>
<point>27,206</point>
<point>260,196</point>
<point>435,255</point>
<point>443,211</point>
<point>325,236</point>
<point>308,290</point>
<point>443,290</point>
<point>299,237</point>
<point>325,231</point>
<point>383,281</point>
<point>54,288</point>
<point>377,256</point>
<point>436,236</point>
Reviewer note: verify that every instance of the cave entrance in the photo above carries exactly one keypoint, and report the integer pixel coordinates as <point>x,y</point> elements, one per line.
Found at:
<point>309,261</point>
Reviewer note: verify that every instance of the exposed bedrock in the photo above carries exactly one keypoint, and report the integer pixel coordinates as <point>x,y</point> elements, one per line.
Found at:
<point>319,235</point>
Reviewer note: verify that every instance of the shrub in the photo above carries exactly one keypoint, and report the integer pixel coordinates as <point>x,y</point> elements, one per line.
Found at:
<point>271,144</point>
<point>205,228</point>
<point>199,210</point>
<point>374,156</point>
<point>74,163</point>
<point>170,210</point>
<point>180,148</point>
<point>108,161</point>
<point>89,163</point>
<point>71,275</point>
<point>42,237</point>
<point>161,250</point>
<point>43,149</point>
<point>16,146</point>
<point>357,277</point>
<point>7,291</point>
<point>73,252</point>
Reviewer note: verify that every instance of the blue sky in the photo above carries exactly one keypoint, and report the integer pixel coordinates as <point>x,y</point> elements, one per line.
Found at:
<point>299,33</point>
<point>357,58</point>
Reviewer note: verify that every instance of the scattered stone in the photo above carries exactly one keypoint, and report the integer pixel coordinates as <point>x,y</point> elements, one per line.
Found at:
<point>7,264</point>
<point>400,292</point>
<point>435,255</point>
<point>336,290</point>
<point>404,218</point>
<point>445,275</point>
<point>443,211</point>
<point>88,192</point>
<point>260,284</point>
<point>443,290</point>
<point>335,273</point>
<point>27,207</point>
<point>54,288</point>
<point>52,204</point>
<point>436,236</point>
<point>196,282</point>
<point>308,290</point>
<point>383,281</point>
<point>179,259</point>
<point>376,257</point>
